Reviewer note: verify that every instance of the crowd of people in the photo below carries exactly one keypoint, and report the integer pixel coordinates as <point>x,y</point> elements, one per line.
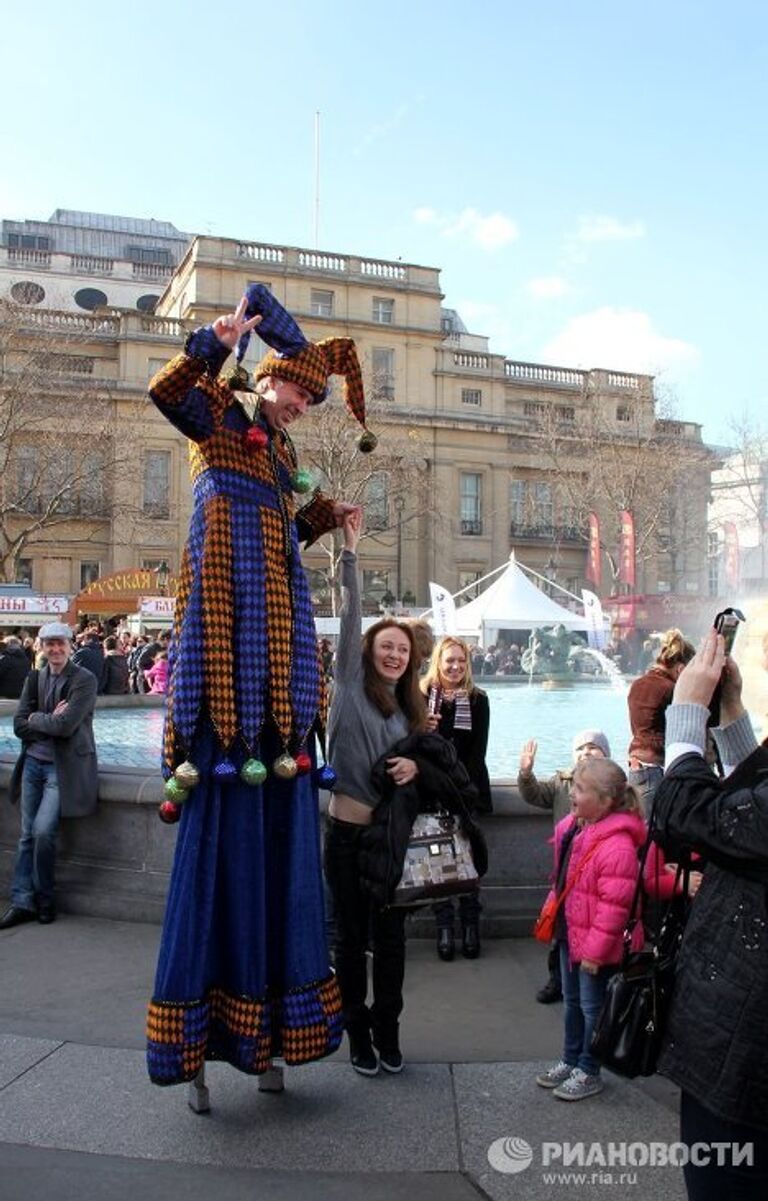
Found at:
<point>244,971</point>
<point>121,662</point>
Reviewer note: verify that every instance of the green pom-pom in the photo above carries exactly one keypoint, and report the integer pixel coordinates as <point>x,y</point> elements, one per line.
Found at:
<point>367,442</point>
<point>174,791</point>
<point>301,481</point>
<point>253,772</point>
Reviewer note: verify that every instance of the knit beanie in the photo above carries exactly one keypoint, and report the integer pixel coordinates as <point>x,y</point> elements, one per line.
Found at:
<point>596,737</point>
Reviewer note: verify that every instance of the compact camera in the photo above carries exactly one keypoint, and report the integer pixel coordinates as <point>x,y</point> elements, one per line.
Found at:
<point>727,623</point>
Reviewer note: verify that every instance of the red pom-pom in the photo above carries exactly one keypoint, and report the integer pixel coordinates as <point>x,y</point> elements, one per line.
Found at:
<point>256,438</point>
<point>303,763</point>
<point>169,812</point>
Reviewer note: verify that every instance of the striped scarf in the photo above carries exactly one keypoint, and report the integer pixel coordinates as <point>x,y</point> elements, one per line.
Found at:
<point>462,713</point>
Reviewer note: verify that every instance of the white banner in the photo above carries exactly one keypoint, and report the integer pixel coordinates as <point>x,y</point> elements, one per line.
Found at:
<point>443,610</point>
<point>34,604</point>
<point>157,606</point>
<point>597,636</point>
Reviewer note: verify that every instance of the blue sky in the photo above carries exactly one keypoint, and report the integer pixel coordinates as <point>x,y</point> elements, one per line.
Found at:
<point>589,176</point>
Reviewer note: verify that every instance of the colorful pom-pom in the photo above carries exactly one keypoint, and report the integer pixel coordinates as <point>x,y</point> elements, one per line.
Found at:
<point>169,812</point>
<point>284,767</point>
<point>225,771</point>
<point>301,480</point>
<point>187,775</point>
<point>253,772</point>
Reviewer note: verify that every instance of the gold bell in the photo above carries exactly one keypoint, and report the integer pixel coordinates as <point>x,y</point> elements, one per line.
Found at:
<point>285,767</point>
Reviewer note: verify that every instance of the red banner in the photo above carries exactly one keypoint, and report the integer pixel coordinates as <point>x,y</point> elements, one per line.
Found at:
<point>627,550</point>
<point>731,556</point>
<point>593,573</point>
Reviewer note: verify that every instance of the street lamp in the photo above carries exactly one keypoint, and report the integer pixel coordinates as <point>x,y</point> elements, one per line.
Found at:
<point>162,576</point>
<point>399,506</point>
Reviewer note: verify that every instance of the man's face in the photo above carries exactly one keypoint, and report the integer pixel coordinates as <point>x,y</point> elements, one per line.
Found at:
<point>283,402</point>
<point>56,651</point>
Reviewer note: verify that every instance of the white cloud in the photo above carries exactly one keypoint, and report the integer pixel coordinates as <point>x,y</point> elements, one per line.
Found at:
<point>620,340</point>
<point>600,228</point>
<point>548,287</point>
<point>425,216</point>
<point>490,233</point>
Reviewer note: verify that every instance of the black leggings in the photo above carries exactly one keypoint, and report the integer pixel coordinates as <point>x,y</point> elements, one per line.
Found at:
<point>358,920</point>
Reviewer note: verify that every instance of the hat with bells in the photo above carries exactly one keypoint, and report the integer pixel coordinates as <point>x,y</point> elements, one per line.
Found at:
<point>307,364</point>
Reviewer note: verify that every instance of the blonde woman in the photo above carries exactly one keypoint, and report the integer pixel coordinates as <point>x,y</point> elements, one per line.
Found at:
<point>460,713</point>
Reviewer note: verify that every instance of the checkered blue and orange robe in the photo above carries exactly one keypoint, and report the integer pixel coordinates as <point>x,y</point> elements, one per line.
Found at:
<point>243,971</point>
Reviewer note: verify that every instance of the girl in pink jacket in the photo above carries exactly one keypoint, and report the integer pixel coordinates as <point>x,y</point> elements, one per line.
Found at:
<point>596,868</point>
<point>157,675</point>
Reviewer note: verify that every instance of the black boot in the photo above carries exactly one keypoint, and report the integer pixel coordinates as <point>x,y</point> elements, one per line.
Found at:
<point>446,947</point>
<point>550,992</point>
<point>470,941</point>
<point>361,1053</point>
<point>387,1042</point>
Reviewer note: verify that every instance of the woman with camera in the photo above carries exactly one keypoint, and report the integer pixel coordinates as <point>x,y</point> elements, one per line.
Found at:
<point>716,1048</point>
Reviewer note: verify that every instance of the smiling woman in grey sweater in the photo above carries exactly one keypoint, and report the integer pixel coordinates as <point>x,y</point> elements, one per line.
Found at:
<point>376,702</point>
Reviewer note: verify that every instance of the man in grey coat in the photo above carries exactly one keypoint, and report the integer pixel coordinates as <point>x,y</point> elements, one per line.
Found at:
<point>56,775</point>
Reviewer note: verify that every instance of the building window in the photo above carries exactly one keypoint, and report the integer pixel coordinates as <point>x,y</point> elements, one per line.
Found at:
<point>466,579</point>
<point>565,413</point>
<point>377,502</point>
<point>28,242</point>
<point>517,499</point>
<point>383,363</point>
<point>27,494</point>
<point>624,413</point>
<point>153,366</point>
<point>542,504</point>
<point>90,298</point>
<point>470,502</point>
<point>472,396</point>
<point>147,303</point>
<point>157,477</point>
<point>93,470</point>
<point>321,303</point>
<point>383,311</point>
<point>24,572</point>
<point>149,254</point>
<point>534,408</point>
<point>26,291</point>
<point>58,482</point>
<point>89,572</point>
<point>375,586</point>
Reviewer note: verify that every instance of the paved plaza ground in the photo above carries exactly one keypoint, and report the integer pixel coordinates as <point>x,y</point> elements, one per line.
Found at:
<point>80,1119</point>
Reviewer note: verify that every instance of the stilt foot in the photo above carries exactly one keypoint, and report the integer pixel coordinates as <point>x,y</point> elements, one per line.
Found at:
<point>198,1096</point>
<point>271,1081</point>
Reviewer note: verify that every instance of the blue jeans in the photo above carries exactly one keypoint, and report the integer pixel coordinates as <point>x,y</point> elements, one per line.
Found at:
<point>36,856</point>
<point>646,780</point>
<point>583,995</point>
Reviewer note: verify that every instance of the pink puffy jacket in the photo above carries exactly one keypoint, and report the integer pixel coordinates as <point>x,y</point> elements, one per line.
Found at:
<point>597,906</point>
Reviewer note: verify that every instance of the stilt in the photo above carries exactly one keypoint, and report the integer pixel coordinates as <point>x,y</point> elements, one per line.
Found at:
<point>272,1081</point>
<point>198,1096</point>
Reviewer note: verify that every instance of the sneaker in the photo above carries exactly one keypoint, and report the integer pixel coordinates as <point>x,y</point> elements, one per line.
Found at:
<point>391,1060</point>
<point>578,1086</point>
<point>362,1056</point>
<point>555,1075</point>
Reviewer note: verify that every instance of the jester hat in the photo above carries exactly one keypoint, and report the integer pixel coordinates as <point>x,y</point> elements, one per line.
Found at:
<point>305,363</point>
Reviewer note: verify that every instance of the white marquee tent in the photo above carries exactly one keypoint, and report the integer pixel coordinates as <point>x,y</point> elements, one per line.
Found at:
<point>512,602</point>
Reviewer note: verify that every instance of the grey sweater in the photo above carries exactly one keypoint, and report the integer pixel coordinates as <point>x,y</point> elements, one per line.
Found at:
<point>358,734</point>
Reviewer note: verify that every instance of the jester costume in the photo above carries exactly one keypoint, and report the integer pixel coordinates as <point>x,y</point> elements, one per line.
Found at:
<point>243,972</point>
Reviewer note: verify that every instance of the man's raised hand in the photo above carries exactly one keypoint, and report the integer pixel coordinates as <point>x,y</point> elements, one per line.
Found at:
<point>230,329</point>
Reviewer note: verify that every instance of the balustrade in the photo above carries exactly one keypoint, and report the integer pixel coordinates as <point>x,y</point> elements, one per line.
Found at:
<point>618,380</point>
<point>32,258</point>
<point>90,264</point>
<point>261,254</point>
<point>321,262</point>
<point>478,362</point>
<point>383,270</point>
<point>540,373</point>
<point>153,271</point>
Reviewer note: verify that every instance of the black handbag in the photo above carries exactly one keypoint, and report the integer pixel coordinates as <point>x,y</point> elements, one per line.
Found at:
<point>630,1029</point>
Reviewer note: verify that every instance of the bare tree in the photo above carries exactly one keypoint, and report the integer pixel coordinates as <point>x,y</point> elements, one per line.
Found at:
<point>392,483</point>
<point>740,487</point>
<point>607,456</point>
<point>57,432</point>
